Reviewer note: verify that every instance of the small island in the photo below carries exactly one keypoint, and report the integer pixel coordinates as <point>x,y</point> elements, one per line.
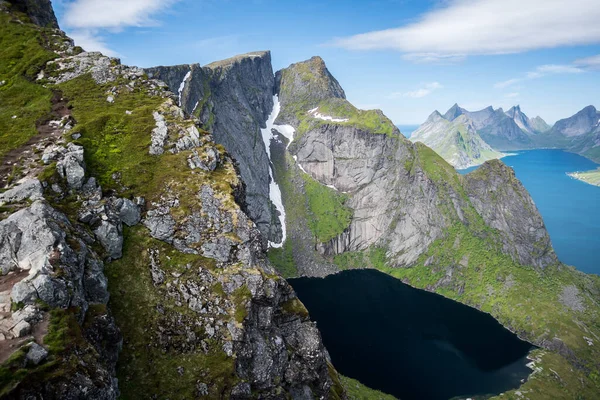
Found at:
<point>591,177</point>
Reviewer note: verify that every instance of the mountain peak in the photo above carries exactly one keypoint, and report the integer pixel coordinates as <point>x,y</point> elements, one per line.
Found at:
<point>307,83</point>
<point>453,112</point>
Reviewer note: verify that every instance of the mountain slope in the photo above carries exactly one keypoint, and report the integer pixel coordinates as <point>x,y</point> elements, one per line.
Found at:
<point>114,187</point>
<point>232,99</point>
<point>579,134</point>
<point>456,141</point>
<point>478,238</point>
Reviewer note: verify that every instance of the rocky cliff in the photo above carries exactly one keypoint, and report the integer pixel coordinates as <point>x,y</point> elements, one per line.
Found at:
<point>114,187</point>
<point>233,99</point>
<point>39,11</point>
<point>456,141</point>
<point>402,198</point>
<point>359,195</point>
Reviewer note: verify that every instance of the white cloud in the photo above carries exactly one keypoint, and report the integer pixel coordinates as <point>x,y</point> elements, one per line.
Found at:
<point>419,93</point>
<point>474,27</point>
<point>512,95</point>
<point>510,82</point>
<point>86,20</point>
<point>540,72</point>
<point>113,14</point>
<point>90,41</point>
<point>589,62</point>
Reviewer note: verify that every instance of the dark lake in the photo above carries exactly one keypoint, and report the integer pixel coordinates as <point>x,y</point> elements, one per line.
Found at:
<point>411,343</point>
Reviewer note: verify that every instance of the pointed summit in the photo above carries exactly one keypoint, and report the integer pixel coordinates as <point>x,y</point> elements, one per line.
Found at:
<point>306,83</point>
<point>454,112</point>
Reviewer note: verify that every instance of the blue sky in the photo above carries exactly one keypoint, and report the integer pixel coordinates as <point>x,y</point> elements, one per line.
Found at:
<point>407,57</point>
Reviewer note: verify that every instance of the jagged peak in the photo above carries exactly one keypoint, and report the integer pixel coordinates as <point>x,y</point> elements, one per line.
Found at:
<point>453,112</point>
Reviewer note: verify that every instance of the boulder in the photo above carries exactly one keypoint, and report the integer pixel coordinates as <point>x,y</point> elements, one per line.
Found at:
<point>111,239</point>
<point>23,292</point>
<point>36,354</point>
<point>30,189</point>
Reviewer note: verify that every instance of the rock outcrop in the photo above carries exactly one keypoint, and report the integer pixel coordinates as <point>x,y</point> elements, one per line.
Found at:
<point>403,197</point>
<point>233,99</point>
<point>163,212</point>
<point>40,11</point>
<point>503,202</point>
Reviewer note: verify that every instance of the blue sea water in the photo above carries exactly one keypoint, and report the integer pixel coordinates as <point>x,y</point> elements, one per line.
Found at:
<point>570,208</point>
<point>407,130</point>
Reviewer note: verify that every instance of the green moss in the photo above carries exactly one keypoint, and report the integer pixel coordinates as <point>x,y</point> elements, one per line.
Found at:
<point>283,259</point>
<point>373,258</point>
<point>115,142</point>
<point>357,391</point>
<point>241,297</point>
<point>145,367</point>
<point>23,55</point>
<point>295,307</point>
<point>329,216</point>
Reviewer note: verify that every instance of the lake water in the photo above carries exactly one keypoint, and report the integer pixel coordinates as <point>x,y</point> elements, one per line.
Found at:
<point>570,208</point>
<point>411,343</point>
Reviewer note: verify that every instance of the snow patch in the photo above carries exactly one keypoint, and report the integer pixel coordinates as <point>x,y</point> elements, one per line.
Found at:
<point>316,114</point>
<point>274,190</point>
<point>300,165</point>
<point>183,83</point>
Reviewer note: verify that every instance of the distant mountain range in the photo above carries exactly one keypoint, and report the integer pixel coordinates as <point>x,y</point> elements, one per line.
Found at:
<point>465,138</point>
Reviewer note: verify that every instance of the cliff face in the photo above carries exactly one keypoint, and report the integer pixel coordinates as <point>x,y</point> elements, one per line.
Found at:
<point>403,197</point>
<point>40,11</point>
<point>503,202</point>
<point>233,99</point>
<point>120,190</point>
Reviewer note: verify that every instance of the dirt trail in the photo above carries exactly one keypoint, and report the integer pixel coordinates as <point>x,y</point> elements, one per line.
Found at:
<point>26,156</point>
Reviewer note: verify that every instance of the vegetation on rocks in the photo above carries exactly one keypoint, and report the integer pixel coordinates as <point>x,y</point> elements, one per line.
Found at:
<point>23,103</point>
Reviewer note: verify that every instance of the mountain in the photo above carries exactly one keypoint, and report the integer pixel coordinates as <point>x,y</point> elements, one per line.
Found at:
<point>579,134</point>
<point>456,141</point>
<point>357,194</point>
<point>135,264</point>
<point>539,125</point>
<point>533,126</point>
<point>112,191</point>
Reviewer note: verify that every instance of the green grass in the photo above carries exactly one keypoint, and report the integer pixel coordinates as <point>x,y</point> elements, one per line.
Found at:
<point>283,259</point>
<point>23,55</point>
<point>114,141</point>
<point>373,121</point>
<point>591,177</point>
<point>357,391</point>
<point>525,299</point>
<point>145,366</point>
<point>329,216</point>
<point>372,258</point>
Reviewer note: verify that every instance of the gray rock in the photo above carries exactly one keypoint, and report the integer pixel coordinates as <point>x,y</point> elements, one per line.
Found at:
<point>111,238</point>
<point>503,202</point>
<point>23,292</point>
<point>129,213</point>
<point>72,166</point>
<point>23,328</point>
<point>45,288</point>
<point>161,224</point>
<point>30,189</point>
<point>95,282</point>
<point>36,354</point>
<point>110,99</point>
<point>235,107</point>
<point>159,134</point>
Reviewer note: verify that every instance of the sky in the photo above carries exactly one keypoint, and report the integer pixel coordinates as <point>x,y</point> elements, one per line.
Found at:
<point>406,57</point>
